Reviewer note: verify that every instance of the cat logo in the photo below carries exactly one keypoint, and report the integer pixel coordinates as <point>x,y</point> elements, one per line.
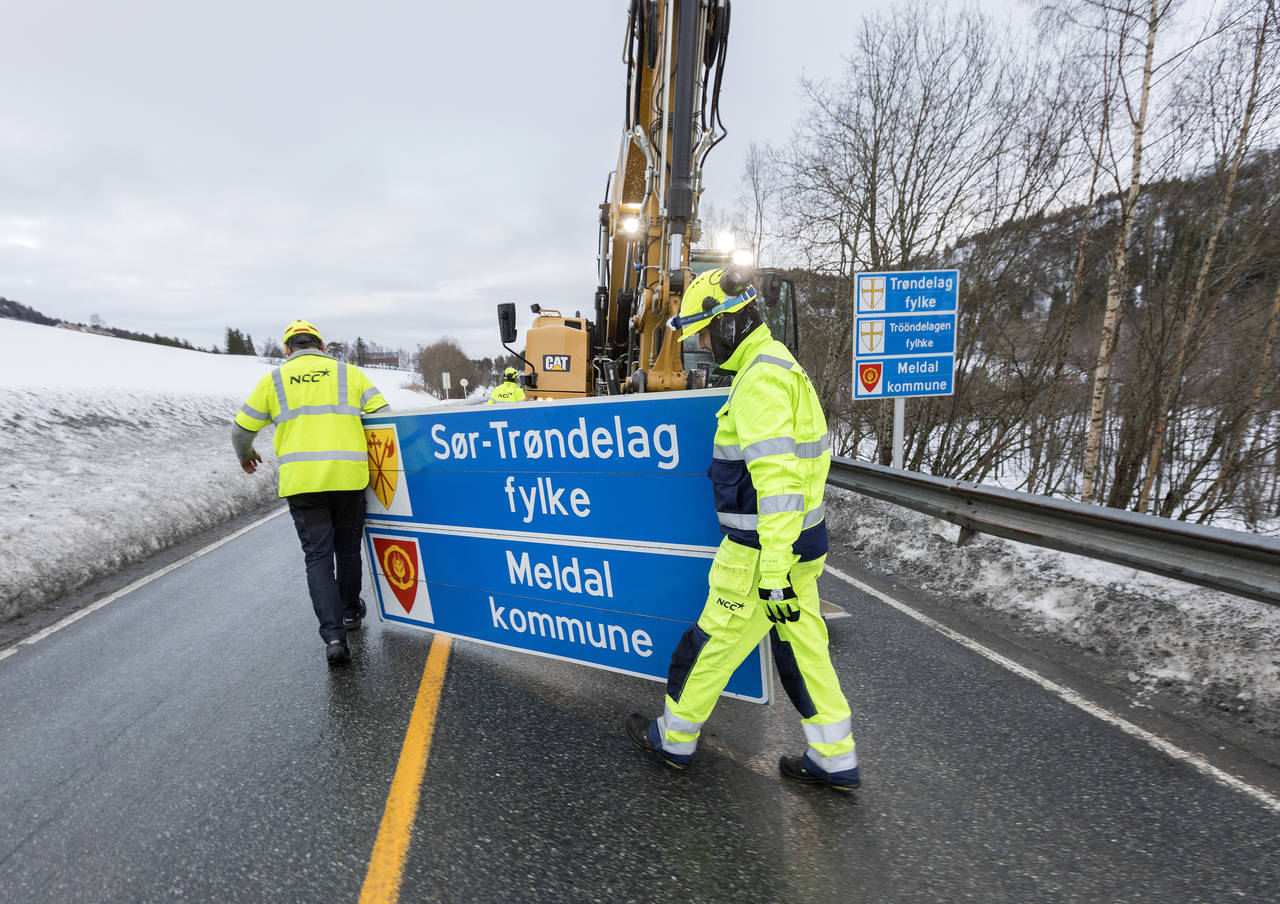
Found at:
<point>555,363</point>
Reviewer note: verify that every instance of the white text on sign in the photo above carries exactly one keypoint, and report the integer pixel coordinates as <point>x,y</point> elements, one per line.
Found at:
<point>571,630</point>
<point>550,443</point>
<point>546,499</point>
<point>570,578</point>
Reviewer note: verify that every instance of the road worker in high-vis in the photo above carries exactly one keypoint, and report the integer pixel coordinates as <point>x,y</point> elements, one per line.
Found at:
<point>315,403</point>
<point>508,390</point>
<point>769,470</point>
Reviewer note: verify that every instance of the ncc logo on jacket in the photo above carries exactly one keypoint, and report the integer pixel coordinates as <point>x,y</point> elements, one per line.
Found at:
<point>313,377</point>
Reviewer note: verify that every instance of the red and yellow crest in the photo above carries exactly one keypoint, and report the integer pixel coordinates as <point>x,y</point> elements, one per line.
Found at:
<point>384,463</point>
<point>398,559</point>
<point>869,375</point>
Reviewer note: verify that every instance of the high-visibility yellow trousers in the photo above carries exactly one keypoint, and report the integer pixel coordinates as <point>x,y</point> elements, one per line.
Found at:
<point>729,628</point>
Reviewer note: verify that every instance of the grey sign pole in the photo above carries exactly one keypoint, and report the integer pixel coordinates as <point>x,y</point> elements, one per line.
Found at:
<point>899,415</point>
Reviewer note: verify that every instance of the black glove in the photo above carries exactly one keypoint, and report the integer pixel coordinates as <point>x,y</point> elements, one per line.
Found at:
<point>777,608</point>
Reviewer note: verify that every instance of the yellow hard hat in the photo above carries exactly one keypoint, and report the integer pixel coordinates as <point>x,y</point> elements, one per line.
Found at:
<point>297,328</point>
<point>509,373</point>
<point>708,296</point>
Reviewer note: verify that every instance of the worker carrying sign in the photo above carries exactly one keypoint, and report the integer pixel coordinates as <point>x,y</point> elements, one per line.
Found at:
<point>769,470</point>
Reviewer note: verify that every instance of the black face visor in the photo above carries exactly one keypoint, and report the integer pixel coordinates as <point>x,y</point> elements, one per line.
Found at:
<point>727,331</point>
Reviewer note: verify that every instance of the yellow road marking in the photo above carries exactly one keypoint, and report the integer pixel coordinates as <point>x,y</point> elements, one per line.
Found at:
<point>386,864</point>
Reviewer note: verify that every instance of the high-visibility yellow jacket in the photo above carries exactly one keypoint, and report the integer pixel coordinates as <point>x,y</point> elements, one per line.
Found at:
<point>315,403</point>
<point>771,457</point>
<point>507,391</point>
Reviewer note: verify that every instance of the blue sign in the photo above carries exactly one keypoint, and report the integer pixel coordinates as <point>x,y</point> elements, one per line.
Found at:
<point>905,334</point>
<point>916,292</point>
<point>908,335</point>
<point>578,529</point>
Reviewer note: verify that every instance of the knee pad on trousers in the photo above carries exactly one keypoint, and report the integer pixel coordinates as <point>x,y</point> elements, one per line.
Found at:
<point>792,679</point>
<point>682,660</point>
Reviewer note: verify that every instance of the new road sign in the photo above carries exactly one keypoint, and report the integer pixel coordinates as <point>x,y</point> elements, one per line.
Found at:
<point>905,334</point>
<point>581,530</point>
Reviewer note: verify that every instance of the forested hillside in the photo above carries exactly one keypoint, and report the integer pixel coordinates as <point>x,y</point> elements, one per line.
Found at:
<point>1111,198</point>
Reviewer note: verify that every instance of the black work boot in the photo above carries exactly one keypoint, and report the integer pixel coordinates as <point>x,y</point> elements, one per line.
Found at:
<point>352,622</point>
<point>644,734</point>
<point>797,769</point>
<point>337,652</point>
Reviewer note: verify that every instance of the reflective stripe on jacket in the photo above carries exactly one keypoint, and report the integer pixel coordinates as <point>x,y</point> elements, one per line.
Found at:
<point>315,403</point>
<point>771,457</point>
<point>507,391</point>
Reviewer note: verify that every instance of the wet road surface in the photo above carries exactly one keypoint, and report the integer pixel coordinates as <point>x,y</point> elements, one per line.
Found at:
<point>187,742</point>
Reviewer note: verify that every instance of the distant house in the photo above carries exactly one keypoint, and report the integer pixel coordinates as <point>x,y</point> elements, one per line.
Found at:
<point>382,360</point>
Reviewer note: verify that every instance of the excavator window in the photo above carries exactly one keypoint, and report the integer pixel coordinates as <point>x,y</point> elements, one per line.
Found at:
<point>780,312</point>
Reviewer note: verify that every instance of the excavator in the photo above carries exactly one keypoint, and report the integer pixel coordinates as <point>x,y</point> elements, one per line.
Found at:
<point>674,51</point>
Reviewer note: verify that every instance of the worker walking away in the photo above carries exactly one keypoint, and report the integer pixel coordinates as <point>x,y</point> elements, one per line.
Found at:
<point>508,390</point>
<point>315,403</point>
<point>769,471</point>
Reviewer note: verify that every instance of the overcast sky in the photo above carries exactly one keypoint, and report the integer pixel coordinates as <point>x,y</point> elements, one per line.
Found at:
<point>393,169</point>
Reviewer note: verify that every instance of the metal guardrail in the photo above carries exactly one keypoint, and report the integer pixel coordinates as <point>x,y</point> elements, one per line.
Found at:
<point>1233,561</point>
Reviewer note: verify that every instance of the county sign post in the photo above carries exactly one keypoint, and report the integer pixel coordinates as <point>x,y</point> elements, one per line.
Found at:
<point>905,334</point>
<point>581,530</point>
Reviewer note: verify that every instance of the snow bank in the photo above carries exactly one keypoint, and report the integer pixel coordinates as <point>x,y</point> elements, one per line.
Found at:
<point>1212,648</point>
<point>113,449</point>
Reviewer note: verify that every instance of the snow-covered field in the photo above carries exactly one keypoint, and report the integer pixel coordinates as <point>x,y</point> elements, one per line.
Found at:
<point>113,449</point>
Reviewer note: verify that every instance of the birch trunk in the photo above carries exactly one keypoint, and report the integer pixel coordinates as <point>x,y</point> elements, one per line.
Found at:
<point>1117,273</point>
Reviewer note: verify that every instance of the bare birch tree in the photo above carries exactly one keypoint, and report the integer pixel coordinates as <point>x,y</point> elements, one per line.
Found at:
<point>1088,182</point>
<point>1122,24</point>
<point>1231,106</point>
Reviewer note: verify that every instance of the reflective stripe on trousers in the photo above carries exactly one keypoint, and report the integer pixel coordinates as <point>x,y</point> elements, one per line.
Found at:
<point>841,762</point>
<point>828,734</point>
<point>669,722</point>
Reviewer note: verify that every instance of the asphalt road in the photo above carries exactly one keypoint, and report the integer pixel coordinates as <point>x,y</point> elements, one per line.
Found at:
<point>187,742</point>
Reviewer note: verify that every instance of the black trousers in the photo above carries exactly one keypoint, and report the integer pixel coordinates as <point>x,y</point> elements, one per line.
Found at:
<point>329,525</point>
